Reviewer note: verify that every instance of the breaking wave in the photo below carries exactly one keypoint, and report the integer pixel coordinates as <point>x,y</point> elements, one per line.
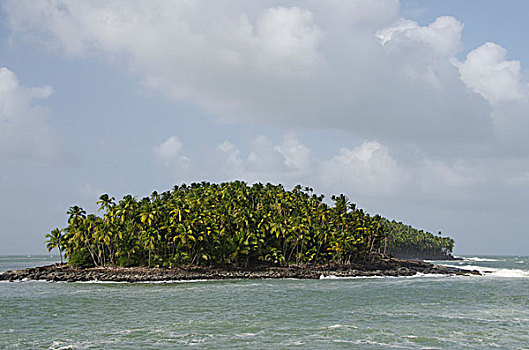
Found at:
<point>495,272</point>
<point>475,258</point>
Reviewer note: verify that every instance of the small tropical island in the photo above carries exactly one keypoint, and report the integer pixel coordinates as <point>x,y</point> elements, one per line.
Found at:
<point>233,230</point>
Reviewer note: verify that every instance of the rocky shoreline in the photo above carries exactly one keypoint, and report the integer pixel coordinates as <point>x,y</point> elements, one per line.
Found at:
<point>382,267</point>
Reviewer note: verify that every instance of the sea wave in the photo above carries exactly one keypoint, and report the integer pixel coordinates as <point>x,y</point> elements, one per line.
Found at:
<point>515,273</point>
<point>478,259</point>
<point>336,326</point>
<point>176,281</point>
<point>98,282</point>
<point>417,275</point>
<point>334,277</point>
<point>495,272</point>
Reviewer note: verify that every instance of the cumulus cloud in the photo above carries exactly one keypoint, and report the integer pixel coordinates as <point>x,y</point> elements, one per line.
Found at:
<point>438,128</point>
<point>442,35</point>
<point>25,134</point>
<point>264,156</point>
<point>288,161</point>
<point>441,180</point>
<point>313,64</point>
<point>232,158</point>
<point>356,66</point>
<point>366,169</point>
<point>486,71</point>
<point>369,170</point>
<point>287,41</point>
<point>296,155</point>
<point>169,152</point>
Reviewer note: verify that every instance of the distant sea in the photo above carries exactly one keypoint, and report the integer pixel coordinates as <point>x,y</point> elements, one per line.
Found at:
<point>421,312</point>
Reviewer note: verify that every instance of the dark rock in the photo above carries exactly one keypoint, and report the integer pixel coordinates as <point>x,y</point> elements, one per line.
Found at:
<point>378,267</point>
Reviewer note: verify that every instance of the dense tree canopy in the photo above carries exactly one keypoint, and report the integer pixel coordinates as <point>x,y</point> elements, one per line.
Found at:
<point>226,224</point>
<point>408,242</point>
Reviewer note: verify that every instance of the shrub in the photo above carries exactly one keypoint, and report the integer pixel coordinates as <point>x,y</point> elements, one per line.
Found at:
<point>130,261</point>
<point>81,258</point>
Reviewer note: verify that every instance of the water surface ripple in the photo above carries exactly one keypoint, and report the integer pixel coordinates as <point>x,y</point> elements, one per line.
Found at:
<point>436,312</point>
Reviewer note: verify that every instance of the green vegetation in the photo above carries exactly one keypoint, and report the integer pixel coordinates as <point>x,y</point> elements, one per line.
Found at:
<point>408,242</point>
<point>54,240</point>
<point>228,224</point>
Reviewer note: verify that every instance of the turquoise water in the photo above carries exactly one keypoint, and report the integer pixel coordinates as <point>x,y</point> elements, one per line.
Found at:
<point>425,312</point>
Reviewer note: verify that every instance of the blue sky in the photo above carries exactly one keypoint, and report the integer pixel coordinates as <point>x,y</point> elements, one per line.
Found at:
<point>415,110</point>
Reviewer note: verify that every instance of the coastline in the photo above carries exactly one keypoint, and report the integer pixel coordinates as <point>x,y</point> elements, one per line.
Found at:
<point>382,267</point>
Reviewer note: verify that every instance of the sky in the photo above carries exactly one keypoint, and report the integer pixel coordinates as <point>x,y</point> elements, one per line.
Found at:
<point>415,110</point>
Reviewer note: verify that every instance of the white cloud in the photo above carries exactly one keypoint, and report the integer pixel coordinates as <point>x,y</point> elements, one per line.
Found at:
<point>296,155</point>
<point>443,35</point>
<point>367,169</point>
<point>169,153</point>
<point>317,64</point>
<point>486,71</point>
<point>423,53</point>
<point>24,131</point>
<point>358,13</point>
<point>265,161</point>
<point>264,157</point>
<point>449,131</point>
<point>440,180</point>
<point>287,41</point>
<point>356,66</point>
<point>232,158</point>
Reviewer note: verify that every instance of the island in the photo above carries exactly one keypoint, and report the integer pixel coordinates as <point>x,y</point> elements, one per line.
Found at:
<point>233,230</point>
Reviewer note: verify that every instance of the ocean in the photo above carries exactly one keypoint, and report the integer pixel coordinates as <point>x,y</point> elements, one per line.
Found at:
<point>420,312</point>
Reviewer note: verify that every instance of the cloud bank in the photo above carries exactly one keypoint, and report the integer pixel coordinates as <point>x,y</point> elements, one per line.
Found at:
<point>432,124</point>
<point>352,65</point>
<point>25,135</point>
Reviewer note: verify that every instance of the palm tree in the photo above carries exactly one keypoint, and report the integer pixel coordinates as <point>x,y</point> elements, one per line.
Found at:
<point>105,202</point>
<point>234,223</point>
<point>75,214</point>
<point>54,240</point>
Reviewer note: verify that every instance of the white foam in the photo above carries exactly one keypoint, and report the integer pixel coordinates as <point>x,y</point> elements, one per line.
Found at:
<point>371,342</point>
<point>59,346</point>
<point>479,259</point>
<point>99,282</point>
<point>246,335</point>
<point>495,272</point>
<point>335,326</point>
<point>26,280</point>
<point>334,277</point>
<point>417,275</point>
<point>176,281</point>
<point>512,273</point>
<point>429,275</point>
